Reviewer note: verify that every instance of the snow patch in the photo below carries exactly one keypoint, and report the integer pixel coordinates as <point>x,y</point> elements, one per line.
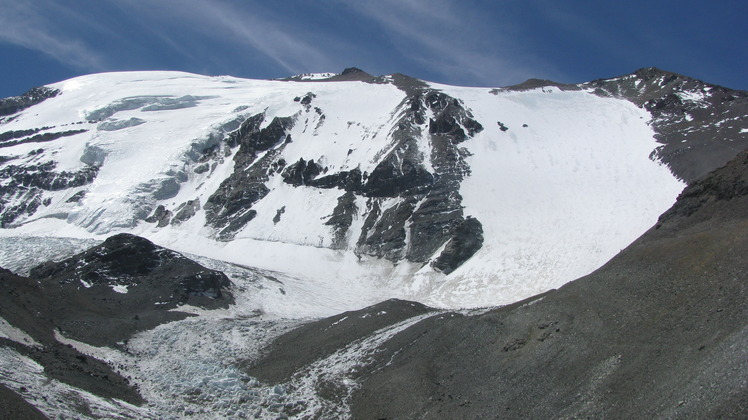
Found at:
<point>316,76</point>
<point>27,378</point>
<point>120,288</point>
<point>692,96</point>
<point>14,334</point>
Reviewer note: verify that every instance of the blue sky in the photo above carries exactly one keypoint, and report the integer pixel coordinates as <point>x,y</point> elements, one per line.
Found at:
<point>464,42</point>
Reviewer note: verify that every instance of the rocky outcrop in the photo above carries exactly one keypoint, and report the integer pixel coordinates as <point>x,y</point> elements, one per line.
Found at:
<point>23,187</point>
<point>301,173</point>
<point>467,240</point>
<point>185,211</point>
<point>229,209</point>
<point>342,218</point>
<point>126,284</point>
<point>14,104</point>
<point>161,216</point>
<point>39,138</point>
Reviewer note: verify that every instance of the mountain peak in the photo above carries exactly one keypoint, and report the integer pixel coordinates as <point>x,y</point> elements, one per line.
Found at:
<point>352,74</point>
<point>352,70</point>
<point>533,83</point>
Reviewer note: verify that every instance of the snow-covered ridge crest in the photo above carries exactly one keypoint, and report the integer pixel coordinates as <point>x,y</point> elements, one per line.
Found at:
<point>544,184</point>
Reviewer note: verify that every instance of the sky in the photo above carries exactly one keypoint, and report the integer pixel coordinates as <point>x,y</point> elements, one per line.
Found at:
<point>461,42</point>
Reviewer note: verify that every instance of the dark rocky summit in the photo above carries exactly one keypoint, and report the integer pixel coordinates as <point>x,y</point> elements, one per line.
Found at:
<point>351,74</point>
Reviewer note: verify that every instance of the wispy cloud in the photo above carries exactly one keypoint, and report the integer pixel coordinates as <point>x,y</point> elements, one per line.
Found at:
<point>74,38</point>
<point>452,40</point>
<point>31,25</point>
<point>439,39</point>
<point>248,29</point>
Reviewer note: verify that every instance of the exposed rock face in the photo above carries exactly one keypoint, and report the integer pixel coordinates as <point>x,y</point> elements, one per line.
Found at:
<point>427,185</point>
<point>186,210</point>
<point>10,106</point>
<point>429,209</point>
<point>466,241</point>
<point>229,208</point>
<point>160,216</point>
<point>24,184</point>
<point>342,218</point>
<point>301,172</point>
<point>23,187</point>
<point>13,138</point>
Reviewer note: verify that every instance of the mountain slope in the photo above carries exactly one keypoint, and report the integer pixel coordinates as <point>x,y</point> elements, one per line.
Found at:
<point>417,190</point>
<point>322,194</point>
<point>659,331</point>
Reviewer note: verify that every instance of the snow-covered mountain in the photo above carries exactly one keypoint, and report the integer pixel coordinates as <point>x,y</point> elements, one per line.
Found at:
<point>455,197</point>
<point>307,197</point>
